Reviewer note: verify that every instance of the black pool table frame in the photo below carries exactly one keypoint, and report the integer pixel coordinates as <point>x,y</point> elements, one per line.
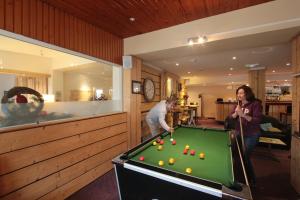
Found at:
<point>141,181</point>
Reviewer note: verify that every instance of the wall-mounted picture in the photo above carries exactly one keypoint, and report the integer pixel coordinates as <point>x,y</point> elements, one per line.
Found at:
<point>136,87</point>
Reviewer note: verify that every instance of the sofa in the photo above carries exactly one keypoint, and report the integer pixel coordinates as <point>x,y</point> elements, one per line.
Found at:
<point>284,134</point>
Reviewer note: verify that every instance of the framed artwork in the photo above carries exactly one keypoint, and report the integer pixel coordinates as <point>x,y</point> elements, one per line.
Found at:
<point>136,87</point>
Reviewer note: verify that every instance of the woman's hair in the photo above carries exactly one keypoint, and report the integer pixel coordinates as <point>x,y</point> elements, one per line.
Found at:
<point>248,93</point>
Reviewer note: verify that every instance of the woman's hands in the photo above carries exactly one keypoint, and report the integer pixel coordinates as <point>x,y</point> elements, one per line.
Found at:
<point>239,111</point>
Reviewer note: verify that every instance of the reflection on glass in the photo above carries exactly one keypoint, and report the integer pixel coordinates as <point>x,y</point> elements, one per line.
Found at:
<point>70,86</point>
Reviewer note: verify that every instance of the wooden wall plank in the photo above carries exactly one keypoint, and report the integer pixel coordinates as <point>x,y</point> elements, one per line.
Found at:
<point>45,22</point>
<point>15,140</point>
<point>17,159</point>
<point>61,29</point>
<point>25,17</point>
<point>9,15</point>
<point>28,175</point>
<point>71,34</point>
<point>151,70</point>
<point>18,16</point>
<point>39,30</point>
<point>147,106</point>
<point>56,26</point>
<point>153,77</point>
<point>67,31</point>
<point>38,20</point>
<point>33,19</point>
<point>56,180</point>
<point>51,25</point>
<point>74,185</point>
<point>2,14</point>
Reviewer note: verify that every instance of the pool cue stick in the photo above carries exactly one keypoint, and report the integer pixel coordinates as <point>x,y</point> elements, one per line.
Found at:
<point>242,132</point>
<point>243,166</point>
<point>171,123</point>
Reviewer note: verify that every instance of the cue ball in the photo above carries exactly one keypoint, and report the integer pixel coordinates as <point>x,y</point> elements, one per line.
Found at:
<point>154,143</point>
<point>187,147</point>
<point>160,163</point>
<point>159,147</point>
<point>142,158</point>
<point>188,170</point>
<point>202,155</point>
<point>171,139</point>
<point>171,161</point>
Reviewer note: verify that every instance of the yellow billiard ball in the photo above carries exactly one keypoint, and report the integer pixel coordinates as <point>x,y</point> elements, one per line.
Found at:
<point>171,161</point>
<point>154,143</point>
<point>202,155</point>
<point>187,147</point>
<point>160,163</point>
<point>160,147</point>
<point>188,170</point>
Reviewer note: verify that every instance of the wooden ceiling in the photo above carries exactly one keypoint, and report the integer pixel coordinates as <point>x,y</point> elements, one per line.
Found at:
<point>150,15</point>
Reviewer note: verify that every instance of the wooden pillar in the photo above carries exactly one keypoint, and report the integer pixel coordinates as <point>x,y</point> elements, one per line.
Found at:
<point>295,145</point>
<point>132,102</point>
<point>257,80</point>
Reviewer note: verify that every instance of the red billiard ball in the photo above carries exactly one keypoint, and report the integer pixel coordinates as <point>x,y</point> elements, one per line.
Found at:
<point>185,151</point>
<point>142,158</point>
<point>158,140</point>
<point>161,142</point>
<point>173,142</point>
<point>192,152</point>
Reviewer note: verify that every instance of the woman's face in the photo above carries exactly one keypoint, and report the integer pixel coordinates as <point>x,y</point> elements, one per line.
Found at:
<point>241,96</point>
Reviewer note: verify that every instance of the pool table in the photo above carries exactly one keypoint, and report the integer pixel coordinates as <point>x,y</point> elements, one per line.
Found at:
<point>218,175</point>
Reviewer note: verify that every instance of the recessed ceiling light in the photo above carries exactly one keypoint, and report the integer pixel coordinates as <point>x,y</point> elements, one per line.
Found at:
<point>197,40</point>
<point>252,65</point>
<point>232,82</point>
<point>233,58</point>
<point>285,80</point>
<point>202,39</point>
<point>177,64</point>
<point>231,68</point>
<point>189,72</point>
<point>247,84</point>
<point>229,74</point>
<point>288,64</point>
<point>1,67</point>
<point>268,81</point>
<point>191,43</point>
<point>132,19</point>
<point>273,71</point>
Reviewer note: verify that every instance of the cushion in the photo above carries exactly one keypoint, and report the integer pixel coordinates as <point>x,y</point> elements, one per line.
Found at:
<point>266,126</point>
<point>273,129</point>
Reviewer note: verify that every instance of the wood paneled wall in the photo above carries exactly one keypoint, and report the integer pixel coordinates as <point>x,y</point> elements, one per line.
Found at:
<point>295,148</point>
<point>132,102</point>
<point>54,161</point>
<point>155,75</point>
<point>38,20</point>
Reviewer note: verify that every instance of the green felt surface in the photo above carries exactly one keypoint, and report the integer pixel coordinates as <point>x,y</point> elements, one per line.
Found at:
<point>217,165</point>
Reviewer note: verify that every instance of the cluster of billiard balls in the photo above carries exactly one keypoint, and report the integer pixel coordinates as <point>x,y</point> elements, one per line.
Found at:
<point>172,160</point>
<point>192,152</point>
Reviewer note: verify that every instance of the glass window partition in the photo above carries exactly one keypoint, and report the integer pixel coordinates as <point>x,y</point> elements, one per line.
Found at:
<point>39,84</point>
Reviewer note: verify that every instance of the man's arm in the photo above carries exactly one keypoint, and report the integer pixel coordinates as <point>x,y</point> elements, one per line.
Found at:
<point>162,122</point>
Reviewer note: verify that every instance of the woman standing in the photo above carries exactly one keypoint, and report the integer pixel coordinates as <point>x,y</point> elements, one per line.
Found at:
<point>249,111</point>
